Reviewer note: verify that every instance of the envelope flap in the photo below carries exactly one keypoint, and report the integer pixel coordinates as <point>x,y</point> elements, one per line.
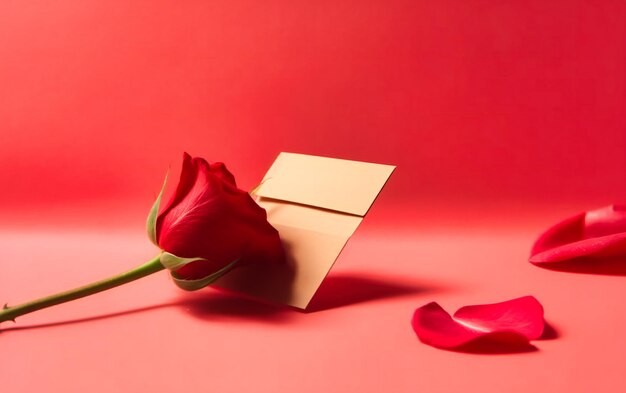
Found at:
<point>328,183</point>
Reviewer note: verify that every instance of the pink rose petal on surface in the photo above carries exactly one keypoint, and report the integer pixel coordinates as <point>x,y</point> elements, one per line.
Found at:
<point>511,321</point>
<point>596,233</point>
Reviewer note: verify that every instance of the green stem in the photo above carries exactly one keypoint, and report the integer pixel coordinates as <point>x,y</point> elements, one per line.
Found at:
<point>10,313</point>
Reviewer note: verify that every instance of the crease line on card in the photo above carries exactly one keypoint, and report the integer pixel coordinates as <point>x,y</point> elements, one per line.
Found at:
<point>323,209</point>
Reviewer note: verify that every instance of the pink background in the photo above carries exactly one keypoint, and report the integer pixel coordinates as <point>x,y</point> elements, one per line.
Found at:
<point>502,116</point>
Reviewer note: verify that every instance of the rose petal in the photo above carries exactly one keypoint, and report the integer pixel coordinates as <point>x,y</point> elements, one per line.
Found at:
<point>512,321</point>
<point>597,233</point>
<point>188,175</point>
<point>434,326</point>
<point>606,221</point>
<point>523,316</point>
<point>219,169</point>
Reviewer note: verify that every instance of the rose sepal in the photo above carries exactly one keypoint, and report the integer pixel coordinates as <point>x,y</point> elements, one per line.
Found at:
<point>172,262</point>
<point>152,216</point>
<point>194,285</point>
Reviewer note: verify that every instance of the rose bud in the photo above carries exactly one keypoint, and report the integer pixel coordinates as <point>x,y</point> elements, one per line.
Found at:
<point>212,225</point>
<point>208,228</point>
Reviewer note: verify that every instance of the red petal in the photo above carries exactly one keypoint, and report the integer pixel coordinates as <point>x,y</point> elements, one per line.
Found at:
<point>188,176</point>
<point>219,169</point>
<point>597,233</point>
<point>523,316</point>
<point>607,221</point>
<point>512,321</point>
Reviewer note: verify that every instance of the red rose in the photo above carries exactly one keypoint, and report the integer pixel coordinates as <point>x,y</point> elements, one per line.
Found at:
<point>208,228</point>
<point>208,217</point>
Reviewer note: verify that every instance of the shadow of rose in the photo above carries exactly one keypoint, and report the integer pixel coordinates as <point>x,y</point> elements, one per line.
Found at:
<point>337,290</point>
<point>220,304</point>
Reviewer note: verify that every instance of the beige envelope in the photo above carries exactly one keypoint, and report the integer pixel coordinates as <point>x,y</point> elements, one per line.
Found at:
<point>316,203</point>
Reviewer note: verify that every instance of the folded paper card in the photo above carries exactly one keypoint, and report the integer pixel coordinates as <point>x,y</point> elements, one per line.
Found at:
<point>316,203</point>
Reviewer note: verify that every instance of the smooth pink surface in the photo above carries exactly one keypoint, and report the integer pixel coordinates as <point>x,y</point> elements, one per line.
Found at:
<point>503,118</point>
<point>356,338</point>
<point>503,323</point>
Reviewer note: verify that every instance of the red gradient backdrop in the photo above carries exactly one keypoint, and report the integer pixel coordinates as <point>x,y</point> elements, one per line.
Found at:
<point>501,109</point>
<point>476,101</point>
